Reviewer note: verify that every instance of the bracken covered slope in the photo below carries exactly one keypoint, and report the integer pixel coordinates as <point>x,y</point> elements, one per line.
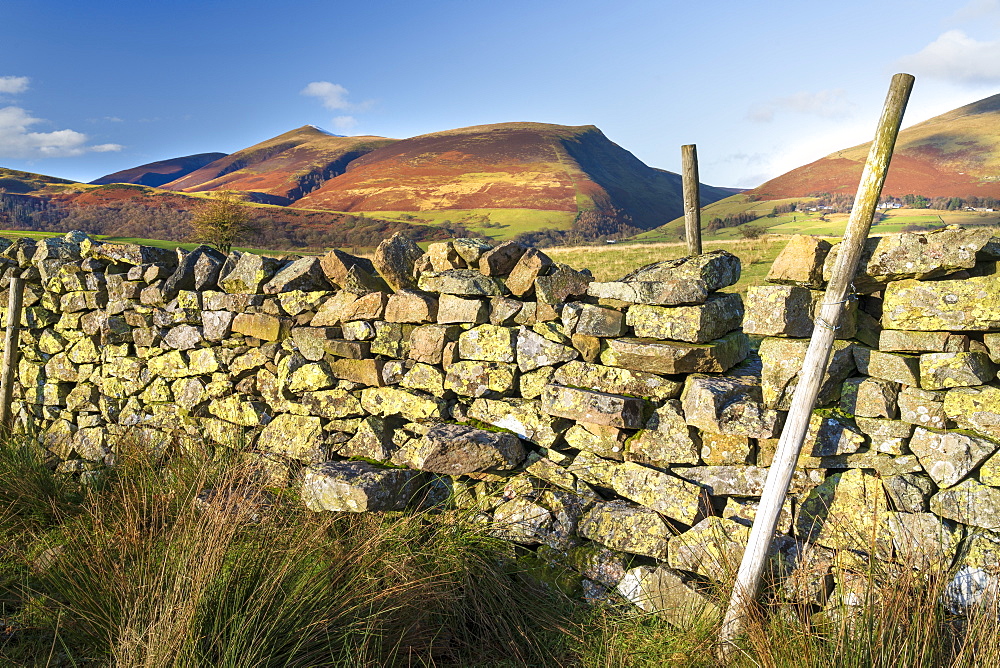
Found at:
<point>956,154</point>
<point>283,168</point>
<point>506,166</point>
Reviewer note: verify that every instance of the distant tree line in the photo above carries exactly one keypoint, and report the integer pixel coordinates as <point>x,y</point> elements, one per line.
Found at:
<point>592,225</point>
<point>280,229</point>
<point>732,220</point>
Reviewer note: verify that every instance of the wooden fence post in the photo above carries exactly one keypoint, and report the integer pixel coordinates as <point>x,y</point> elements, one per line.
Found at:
<point>692,202</point>
<point>814,365</point>
<point>7,371</point>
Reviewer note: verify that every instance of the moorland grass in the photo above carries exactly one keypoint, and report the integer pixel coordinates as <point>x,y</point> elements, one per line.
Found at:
<point>181,559</point>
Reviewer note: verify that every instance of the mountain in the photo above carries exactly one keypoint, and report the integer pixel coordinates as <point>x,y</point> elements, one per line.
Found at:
<point>956,154</point>
<point>281,169</point>
<point>506,166</point>
<point>155,174</point>
<point>18,182</point>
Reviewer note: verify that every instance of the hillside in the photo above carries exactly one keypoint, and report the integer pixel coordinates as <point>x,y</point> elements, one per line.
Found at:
<point>19,183</point>
<point>281,169</point>
<point>956,154</point>
<point>157,173</point>
<point>519,166</point>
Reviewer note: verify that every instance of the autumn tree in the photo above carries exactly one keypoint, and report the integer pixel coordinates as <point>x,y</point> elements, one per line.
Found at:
<point>224,220</point>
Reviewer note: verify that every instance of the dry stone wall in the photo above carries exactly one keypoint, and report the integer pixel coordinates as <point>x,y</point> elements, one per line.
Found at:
<point>619,430</point>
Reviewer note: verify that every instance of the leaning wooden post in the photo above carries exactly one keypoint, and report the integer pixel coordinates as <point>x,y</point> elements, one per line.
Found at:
<point>10,345</point>
<point>814,365</point>
<point>692,203</point>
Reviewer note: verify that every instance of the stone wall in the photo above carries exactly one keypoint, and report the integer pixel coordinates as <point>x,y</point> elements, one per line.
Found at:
<point>619,430</point>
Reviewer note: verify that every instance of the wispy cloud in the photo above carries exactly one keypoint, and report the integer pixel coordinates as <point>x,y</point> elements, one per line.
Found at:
<point>825,103</point>
<point>13,85</point>
<point>344,123</point>
<point>956,57</point>
<point>334,96</point>
<point>976,10</point>
<point>18,141</point>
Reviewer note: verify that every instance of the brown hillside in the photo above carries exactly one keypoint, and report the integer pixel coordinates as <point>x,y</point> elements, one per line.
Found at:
<point>155,174</point>
<point>956,154</point>
<point>281,169</point>
<point>505,166</point>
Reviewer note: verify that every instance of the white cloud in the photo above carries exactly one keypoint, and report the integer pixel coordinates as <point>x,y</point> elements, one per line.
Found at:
<point>824,103</point>
<point>344,123</point>
<point>18,141</point>
<point>13,85</point>
<point>954,56</point>
<point>334,96</point>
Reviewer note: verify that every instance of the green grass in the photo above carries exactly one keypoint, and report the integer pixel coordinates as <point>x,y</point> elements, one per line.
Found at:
<point>139,568</point>
<point>612,261</point>
<point>504,223</point>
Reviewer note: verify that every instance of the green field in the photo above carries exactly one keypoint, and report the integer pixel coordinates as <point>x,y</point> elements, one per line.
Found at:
<point>615,260</point>
<point>503,224</point>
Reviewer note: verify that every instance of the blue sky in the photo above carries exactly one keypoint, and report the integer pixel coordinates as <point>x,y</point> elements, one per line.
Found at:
<point>761,87</point>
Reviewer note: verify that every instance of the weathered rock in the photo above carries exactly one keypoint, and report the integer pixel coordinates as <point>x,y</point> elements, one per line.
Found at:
<point>601,322</point>
<point>410,306</point>
<point>488,343</point>
<point>948,457</point>
<point>500,261</point>
<point>462,282</point>
<point>133,254</point>
<point>940,371</point>
<point>332,404</point>
<point>454,449</point>
<point>426,378</point>
<point>534,351</point>
<point>870,397</point>
<point>522,521</point>
<point>909,492</point>
<point>262,326</point>
<point>800,263</point>
<point>664,493</point>
<point>411,404</point>
<point>969,502</point>
<point>453,309</point>
<point>922,407</point>
<point>628,528</point>
<point>741,481</point>
<point>249,274</point>
<point>522,417</point>
<point>724,449</point>
<point>343,269</point>
<point>198,269</point>
<point>615,380</point>
<point>473,378</point>
<point>674,357</point>
<point>923,541</point>
<point>561,284</point>
<point>294,436</point>
<point>966,304</point>
<point>719,315</point>
<point>444,257</point>
<point>240,410</point>
<point>346,307</point>
<point>304,274</point>
<point>183,337</point>
<point>364,371</point>
<point>392,339</point>
<point>975,408</point>
<point>394,259</point>
<point>608,442</point>
<point>728,406</point>
<point>744,511</point>
<point>217,325</point>
<point>359,487</point>
<point>924,255</point>
<point>848,511</point>
<point>712,548</point>
<point>664,592</point>
<point>902,341</point>
<point>666,439</point>
<point>782,361</point>
<point>829,436</point>
<point>613,410</point>
<point>975,585</point>
<point>471,250</point>
<point>427,342</point>
<point>779,310</point>
<point>532,264</point>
